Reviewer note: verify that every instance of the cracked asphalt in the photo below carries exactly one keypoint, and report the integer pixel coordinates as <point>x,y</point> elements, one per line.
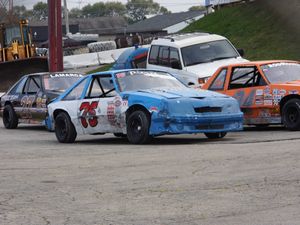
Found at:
<point>251,177</point>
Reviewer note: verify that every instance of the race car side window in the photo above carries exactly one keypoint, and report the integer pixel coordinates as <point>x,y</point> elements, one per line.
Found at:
<point>76,93</point>
<point>219,81</point>
<point>33,85</point>
<point>243,77</point>
<point>107,86</point>
<point>94,90</point>
<point>101,86</point>
<point>18,88</point>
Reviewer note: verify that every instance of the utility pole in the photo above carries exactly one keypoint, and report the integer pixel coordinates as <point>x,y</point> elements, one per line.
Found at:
<point>55,36</point>
<point>66,17</point>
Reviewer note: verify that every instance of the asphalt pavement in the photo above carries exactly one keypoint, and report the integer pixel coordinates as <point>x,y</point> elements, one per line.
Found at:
<point>249,178</point>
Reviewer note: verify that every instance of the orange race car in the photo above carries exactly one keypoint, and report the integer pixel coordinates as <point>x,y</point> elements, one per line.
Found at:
<point>268,91</point>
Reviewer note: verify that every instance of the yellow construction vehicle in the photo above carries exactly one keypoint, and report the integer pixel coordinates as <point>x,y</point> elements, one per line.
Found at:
<point>18,53</point>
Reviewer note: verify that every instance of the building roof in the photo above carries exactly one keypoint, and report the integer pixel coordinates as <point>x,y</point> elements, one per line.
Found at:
<point>159,22</point>
<point>101,25</point>
<point>96,25</point>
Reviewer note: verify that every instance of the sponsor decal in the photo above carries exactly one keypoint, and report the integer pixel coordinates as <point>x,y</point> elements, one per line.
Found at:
<point>55,75</point>
<point>275,92</point>
<point>268,97</point>
<point>259,92</point>
<point>293,92</point>
<point>282,92</point>
<point>267,90</point>
<point>125,103</point>
<point>153,109</point>
<point>259,100</point>
<point>268,102</point>
<point>121,75</point>
<point>264,113</point>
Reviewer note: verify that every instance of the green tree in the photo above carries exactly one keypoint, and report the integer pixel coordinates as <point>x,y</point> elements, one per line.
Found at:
<point>19,11</point>
<point>40,10</point>
<point>95,10</point>
<point>115,9</point>
<point>75,13</point>
<point>138,9</point>
<point>164,10</point>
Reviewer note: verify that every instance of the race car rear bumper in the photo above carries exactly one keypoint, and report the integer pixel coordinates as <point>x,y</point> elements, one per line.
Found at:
<point>196,124</point>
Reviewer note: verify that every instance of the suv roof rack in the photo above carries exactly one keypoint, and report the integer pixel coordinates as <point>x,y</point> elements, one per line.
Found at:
<point>179,37</point>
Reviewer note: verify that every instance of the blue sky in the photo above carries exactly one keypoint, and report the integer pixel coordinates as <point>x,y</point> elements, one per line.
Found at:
<point>172,5</point>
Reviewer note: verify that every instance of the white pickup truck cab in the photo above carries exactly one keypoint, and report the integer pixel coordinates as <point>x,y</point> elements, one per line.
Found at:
<point>192,57</point>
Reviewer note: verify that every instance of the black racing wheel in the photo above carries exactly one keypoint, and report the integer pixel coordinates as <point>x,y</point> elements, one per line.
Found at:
<point>10,118</point>
<point>291,114</point>
<point>64,129</point>
<point>138,124</point>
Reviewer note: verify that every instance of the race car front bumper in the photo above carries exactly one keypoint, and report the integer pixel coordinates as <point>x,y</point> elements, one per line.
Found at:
<point>191,124</point>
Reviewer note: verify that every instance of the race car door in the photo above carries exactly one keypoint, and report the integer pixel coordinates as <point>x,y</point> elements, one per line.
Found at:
<point>248,86</point>
<point>102,110</point>
<point>28,111</point>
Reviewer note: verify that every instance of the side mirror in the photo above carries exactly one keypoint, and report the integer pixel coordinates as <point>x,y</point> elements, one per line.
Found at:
<point>176,65</point>
<point>241,52</point>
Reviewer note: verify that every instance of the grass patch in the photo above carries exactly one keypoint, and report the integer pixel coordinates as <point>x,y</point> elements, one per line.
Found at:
<point>252,27</point>
<point>100,69</point>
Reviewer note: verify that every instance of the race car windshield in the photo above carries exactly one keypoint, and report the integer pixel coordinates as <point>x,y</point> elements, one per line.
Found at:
<point>208,52</point>
<point>282,72</point>
<point>60,82</point>
<point>143,80</point>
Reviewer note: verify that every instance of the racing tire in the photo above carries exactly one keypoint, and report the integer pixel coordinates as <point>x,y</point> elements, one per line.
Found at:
<point>217,135</point>
<point>291,114</point>
<point>138,124</point>
<point>64,129</point>
<point>10,118</point>
<point>120,135</point>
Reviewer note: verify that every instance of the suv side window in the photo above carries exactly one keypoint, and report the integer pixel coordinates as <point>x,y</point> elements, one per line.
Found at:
<point>243,77</point>
<point>163,57</point>
<point>219,81</point>
<point>153,56</point>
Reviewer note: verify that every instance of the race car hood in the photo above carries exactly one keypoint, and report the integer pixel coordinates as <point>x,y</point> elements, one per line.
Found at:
<point>187,93</point>
<point>208,69</point>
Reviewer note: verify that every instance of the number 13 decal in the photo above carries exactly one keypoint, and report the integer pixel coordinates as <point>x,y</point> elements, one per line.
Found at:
<point>89,110</point>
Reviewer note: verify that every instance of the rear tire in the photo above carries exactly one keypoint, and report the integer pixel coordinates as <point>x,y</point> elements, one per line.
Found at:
<point>64,129</point>
<point>217,135</point>
<point>291,114</point>
<point>10,118</point>
<point>138,124</point>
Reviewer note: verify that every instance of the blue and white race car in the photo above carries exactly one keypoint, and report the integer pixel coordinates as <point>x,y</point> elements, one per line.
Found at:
<point>141,104</point>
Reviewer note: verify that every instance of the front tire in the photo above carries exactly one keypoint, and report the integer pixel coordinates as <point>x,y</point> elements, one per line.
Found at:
<point>217,135</point>
<point>64,129</point>
<point>291,114</point>
<point>138,124</point>
<point>10,118</point>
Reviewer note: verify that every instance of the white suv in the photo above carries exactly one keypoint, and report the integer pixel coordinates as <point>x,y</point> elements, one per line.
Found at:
<point>192,57</point>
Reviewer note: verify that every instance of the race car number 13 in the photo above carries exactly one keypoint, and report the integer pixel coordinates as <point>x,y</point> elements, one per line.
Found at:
<point>88,111</point>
